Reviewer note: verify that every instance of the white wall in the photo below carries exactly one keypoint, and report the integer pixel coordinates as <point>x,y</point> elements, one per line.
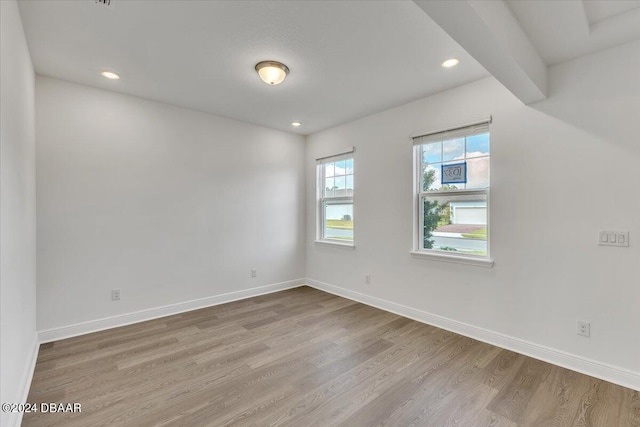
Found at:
<point>17,209</point>
<point>562,170</point>
<point>166,204</point>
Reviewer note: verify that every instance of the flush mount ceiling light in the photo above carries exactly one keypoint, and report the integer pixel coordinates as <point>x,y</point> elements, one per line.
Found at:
<point>110,75</point>
<point>272,72</point>
<point>296,124</point>
<point>449,63</point>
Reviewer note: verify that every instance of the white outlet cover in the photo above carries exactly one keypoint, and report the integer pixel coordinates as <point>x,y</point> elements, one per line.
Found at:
<point>584,329</point>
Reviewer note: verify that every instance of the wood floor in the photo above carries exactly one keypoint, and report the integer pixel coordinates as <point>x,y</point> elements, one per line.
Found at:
<point>303,357</point>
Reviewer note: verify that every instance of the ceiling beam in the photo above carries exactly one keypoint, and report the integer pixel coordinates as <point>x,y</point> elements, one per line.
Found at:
<point>490,33</point>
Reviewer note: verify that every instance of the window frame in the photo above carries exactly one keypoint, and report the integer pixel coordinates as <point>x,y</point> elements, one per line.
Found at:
<point>419,195</point>
<point>322,200</point>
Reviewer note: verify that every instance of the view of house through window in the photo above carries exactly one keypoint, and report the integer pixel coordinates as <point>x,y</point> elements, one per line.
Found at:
<point>335,190</point>
<point>453,191</point>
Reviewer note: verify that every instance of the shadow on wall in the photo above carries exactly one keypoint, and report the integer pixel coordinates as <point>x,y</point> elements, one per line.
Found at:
<point>597,93</point>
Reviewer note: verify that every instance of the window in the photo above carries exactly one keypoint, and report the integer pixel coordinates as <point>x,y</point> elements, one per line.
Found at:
<point>335,198</point>
<point>452,171</point>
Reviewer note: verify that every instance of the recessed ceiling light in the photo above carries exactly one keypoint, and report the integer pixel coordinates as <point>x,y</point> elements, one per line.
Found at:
<point>272,72</point>
<point>450,63</point>
<point>110,75</point>
<point>296,124</point>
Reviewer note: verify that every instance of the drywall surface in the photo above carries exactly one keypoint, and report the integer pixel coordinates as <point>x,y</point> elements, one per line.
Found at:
<point>561,171</point>
<point>166,204</point>
<point>17,209</point>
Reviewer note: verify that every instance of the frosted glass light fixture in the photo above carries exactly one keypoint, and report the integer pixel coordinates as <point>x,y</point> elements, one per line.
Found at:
<point>272,72</point>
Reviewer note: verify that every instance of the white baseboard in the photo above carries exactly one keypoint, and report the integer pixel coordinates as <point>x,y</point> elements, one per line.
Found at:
<point>15,418</point>
<point>614,374</point>
<point>69,331</point>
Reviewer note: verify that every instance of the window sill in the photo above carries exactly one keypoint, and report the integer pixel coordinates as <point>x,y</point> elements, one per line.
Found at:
<point>334,243</point>
<point>478,262</point>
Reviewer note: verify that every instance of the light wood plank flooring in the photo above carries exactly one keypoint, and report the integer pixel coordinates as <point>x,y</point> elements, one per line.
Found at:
<point>303,357</point>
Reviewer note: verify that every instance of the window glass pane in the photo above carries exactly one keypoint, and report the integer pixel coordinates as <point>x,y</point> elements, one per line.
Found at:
<point>431,177</point>
<point>350,183</point>
<point>453,149</point>
<point>338,222</point>
<point>341,167</point>
<point>432,153</point>
<point>340,183</point>
<point>455,185</point>
<point>478,145</point>
<point>349,166</point>
<point>455,223</point>
<point>329,187</point>
<point>478,173</point>
<point>329,169</point>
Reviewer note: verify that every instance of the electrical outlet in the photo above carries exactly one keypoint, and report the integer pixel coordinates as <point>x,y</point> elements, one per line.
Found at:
<point>115,294</point>
<point>254,272</point>
<point>367,279</point>
<point>584,328</point>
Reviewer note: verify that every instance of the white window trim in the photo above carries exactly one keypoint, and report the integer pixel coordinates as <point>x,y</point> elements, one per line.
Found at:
<point>457,259</point>
<point>336,243</point>
<point>319,205</point>
<point>418,193</point>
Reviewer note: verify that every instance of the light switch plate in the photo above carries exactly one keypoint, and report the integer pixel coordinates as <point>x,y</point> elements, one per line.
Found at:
<point>614,238</point>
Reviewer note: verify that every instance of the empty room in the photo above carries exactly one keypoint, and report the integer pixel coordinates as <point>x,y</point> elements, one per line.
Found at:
<point>320,213</point>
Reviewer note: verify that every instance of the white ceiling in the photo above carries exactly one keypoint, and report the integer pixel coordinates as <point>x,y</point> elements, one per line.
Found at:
<point>566,29</point>
<point>347,59</point>
<point>598,10</point>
